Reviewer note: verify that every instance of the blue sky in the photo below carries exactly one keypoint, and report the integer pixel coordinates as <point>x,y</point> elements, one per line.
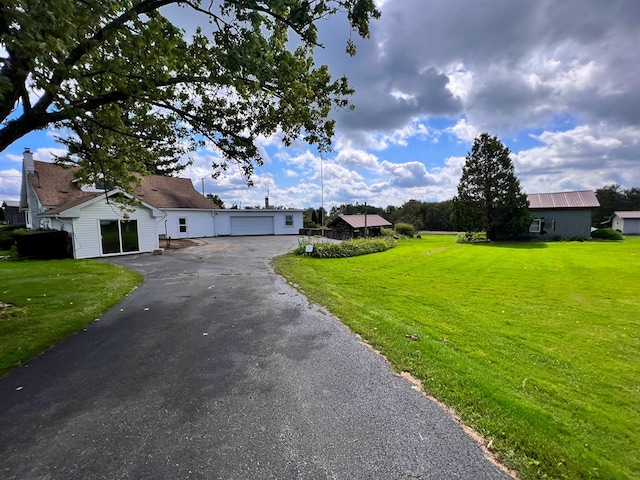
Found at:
<point>557,82</point>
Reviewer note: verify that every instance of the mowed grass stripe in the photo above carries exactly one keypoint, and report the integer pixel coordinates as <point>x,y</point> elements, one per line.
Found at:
<point>534,344</point>
<point>52,299</point>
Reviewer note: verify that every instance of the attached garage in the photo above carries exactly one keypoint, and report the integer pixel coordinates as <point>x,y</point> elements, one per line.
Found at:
<point>252,225</point>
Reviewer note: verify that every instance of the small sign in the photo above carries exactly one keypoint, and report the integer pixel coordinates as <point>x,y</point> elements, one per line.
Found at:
<point>308,248</point>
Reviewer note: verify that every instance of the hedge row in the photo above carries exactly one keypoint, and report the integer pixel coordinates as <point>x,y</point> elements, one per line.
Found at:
<point>349,248</point>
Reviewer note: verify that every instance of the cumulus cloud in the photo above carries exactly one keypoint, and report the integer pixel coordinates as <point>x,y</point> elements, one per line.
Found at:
<point>10,181</point>
<point>584,157</point>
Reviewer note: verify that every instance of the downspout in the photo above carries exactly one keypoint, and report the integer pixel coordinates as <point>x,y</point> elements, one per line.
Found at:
<point>73,233</point>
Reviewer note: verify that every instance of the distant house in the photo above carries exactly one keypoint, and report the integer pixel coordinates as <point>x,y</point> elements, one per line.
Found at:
<point>354,226</point>
<point>12,213</point>
<point>51,198</point>
<point>626,222</point>
<point>562,214</point>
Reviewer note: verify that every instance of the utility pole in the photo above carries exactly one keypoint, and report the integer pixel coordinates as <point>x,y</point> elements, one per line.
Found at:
<point>365,220</point>
<point>203,187</point>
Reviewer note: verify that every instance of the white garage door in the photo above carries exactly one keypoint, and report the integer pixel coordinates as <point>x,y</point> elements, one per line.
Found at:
<point>252,225</point>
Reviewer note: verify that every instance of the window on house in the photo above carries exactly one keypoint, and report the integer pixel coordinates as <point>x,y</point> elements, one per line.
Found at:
<point>288,220</point>
<point>535,226</point>
<point>182,225</point>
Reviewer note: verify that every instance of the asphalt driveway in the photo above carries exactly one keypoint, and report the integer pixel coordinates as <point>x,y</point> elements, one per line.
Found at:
<point>215,368</point>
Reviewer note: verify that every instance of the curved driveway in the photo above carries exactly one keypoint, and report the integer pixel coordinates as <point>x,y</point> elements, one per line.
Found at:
<point>215,368</point>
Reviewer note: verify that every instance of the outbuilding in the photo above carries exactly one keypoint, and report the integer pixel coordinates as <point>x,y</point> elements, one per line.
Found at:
<point>12,213</point>
<point>562,214</point>
<point>354,226</point>
<point>626,222</point>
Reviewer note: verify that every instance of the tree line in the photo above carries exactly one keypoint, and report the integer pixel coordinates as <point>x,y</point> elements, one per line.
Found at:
<point>489,198</point>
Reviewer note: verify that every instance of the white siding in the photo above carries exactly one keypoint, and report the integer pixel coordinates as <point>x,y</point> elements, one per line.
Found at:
<point>281,227</point>
<point>199,223</point>
<point>627,226</point>
<point>86,229</point>
<point>259,218</point>
<point>252,225</point>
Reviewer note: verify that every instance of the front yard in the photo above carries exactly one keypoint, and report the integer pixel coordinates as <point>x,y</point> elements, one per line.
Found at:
<point>535,345</point>
<point>44,301</point>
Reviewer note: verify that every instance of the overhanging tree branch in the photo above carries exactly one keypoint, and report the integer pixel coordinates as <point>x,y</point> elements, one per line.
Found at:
<point>103,66</point>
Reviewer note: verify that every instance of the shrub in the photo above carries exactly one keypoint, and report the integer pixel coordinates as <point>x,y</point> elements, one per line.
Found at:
<point>606,234</point>
<point>6,240</point>
<point>43,244</point>
<point>405,229</point>
<point>350,248</point>
<point>471,237</point>
<point>306,223</point>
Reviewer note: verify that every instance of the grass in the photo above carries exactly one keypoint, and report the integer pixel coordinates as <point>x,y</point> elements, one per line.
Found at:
<point>53,299</point>
<point>535,345</point>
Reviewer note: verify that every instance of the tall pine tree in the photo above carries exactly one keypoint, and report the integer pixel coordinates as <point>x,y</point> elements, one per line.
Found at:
<point>489,195</point>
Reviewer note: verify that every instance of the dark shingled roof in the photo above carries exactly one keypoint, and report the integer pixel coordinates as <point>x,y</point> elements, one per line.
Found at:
<point>171,192</point>
<point>54,184</point>
<point>582,199</point>
<point>55,188</point>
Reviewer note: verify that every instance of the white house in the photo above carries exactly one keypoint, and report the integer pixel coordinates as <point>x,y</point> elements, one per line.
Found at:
<point>100,225</point>
<point>626,222</point>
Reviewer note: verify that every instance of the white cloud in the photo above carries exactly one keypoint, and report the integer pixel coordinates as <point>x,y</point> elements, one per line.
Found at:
<point>585,157</point>
<point>464,131</point>
<point>10,182</point>
<point>357,159</point>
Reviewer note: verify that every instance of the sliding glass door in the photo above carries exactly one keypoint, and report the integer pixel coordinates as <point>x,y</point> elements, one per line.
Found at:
<point>119,236</point>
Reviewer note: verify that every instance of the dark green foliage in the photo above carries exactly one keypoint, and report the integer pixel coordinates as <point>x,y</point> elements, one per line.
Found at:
<point>313,218</point>
<point>6,240</point>
<point>606,234</point>
<point>43,244</point>
<point>350,248</point>
<point>405,229</point>
<point>489,195</point>
<point>137,94</point>
<point>613,198</point>
<point>3,217</point>
<point>216,200</point>
<point>471,237</point>
<point>430,216</point>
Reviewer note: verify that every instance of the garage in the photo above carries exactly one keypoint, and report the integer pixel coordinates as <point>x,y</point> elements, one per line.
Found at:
<point>254,225</point>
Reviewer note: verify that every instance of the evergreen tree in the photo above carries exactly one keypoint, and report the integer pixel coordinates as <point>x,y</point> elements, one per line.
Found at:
<point>489,195</point>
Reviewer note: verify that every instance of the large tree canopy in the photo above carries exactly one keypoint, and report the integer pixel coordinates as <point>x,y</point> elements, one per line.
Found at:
<point>489,195</point>
<point>135,95</point>
<point>613,198</point>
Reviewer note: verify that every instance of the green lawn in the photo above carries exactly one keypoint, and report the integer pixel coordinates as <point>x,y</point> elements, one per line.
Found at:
<point>52,299</point>
<point>535,345</point>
